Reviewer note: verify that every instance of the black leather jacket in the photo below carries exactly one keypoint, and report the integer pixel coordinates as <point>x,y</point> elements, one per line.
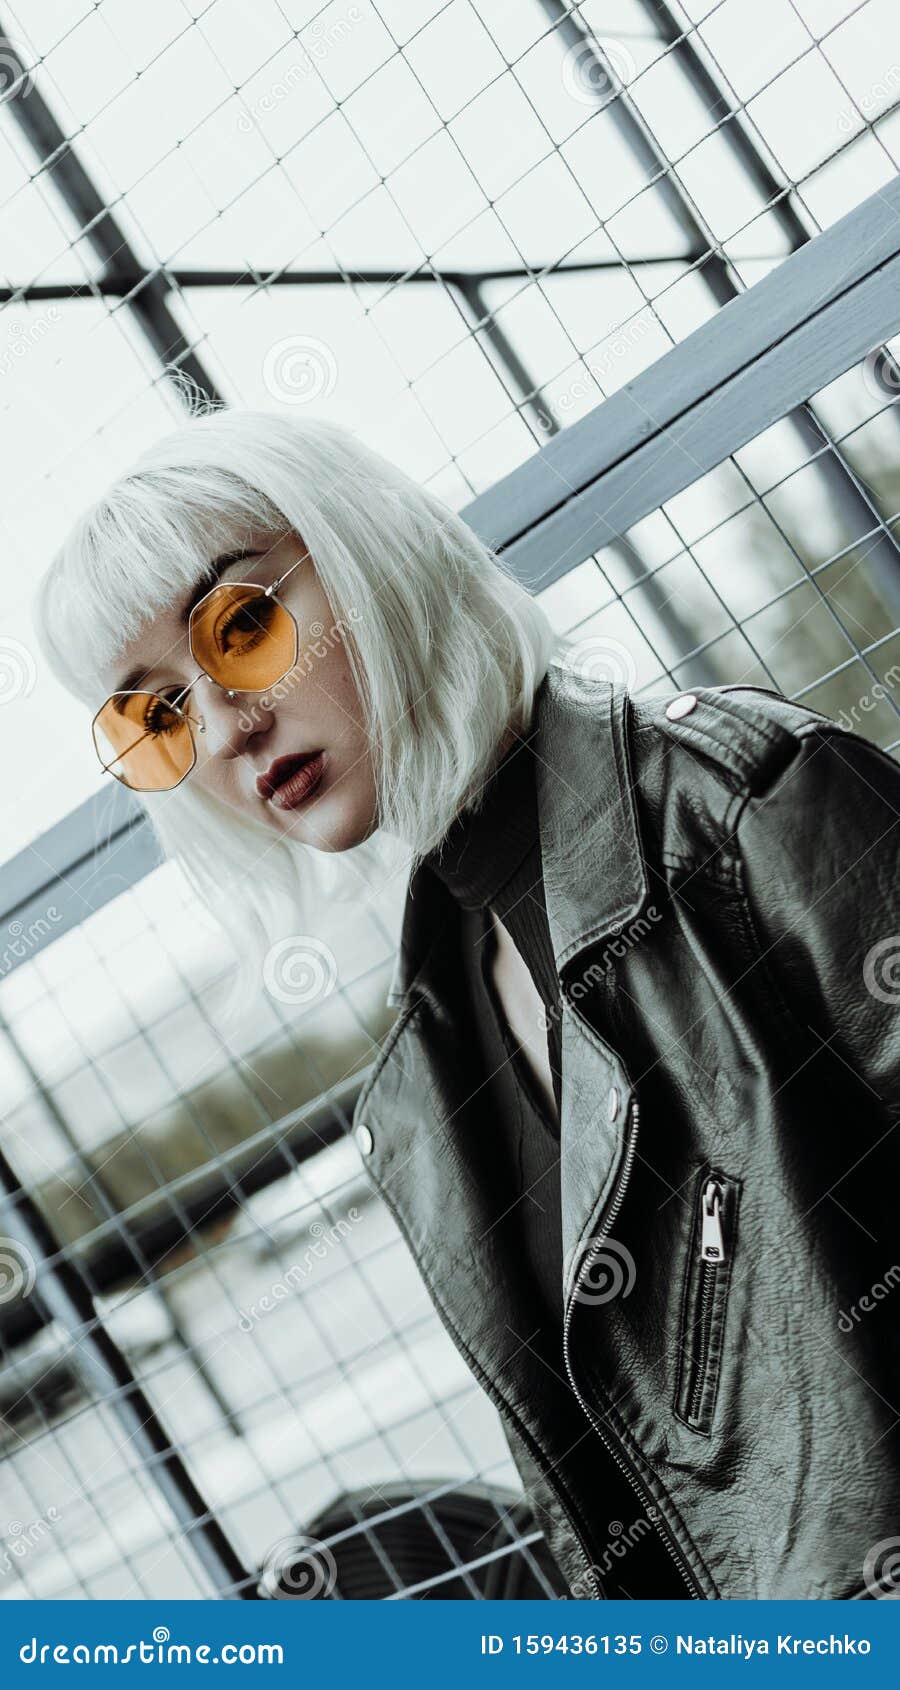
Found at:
<point>721,877</point>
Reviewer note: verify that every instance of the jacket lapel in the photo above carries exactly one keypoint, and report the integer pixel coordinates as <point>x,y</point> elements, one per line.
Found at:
<point>595,883</point>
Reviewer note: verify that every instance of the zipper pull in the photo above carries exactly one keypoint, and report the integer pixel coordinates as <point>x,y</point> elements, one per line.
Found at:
<point>712,1242</point>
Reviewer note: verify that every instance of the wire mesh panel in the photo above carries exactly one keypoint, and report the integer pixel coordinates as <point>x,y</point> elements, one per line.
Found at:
<point>767,569</point>
<point>459,227</point>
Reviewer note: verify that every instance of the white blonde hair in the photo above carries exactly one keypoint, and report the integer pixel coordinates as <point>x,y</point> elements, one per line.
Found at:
<point>446,648</point>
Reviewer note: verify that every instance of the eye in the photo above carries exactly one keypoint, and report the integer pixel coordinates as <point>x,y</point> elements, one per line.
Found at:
<point>246,625</point>
<point>159,716</point>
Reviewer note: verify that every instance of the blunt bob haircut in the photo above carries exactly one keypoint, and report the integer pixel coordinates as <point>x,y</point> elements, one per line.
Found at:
<point>446,648</point>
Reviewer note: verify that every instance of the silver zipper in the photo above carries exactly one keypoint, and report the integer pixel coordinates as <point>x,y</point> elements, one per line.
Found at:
<point>712,1255</point>
<point>604,1436</point>
<point>712,1242</point>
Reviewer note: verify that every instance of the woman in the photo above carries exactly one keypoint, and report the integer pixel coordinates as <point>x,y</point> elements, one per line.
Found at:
<point>637,1114</point>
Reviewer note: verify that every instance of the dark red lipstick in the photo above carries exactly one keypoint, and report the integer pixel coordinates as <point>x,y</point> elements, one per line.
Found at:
<point>289,781</point>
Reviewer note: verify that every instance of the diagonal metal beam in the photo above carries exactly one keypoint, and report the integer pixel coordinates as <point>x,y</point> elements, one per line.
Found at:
<point>147,292</point>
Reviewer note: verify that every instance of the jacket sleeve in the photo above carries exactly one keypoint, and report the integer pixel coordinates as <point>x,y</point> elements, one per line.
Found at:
<point>820,861</point>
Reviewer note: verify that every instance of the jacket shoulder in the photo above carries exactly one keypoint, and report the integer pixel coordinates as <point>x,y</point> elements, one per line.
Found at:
<point>745,734</point>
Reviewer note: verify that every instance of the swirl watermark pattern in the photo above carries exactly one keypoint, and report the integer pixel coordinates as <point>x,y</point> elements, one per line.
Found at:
<point>17,1271</point>
<point>299,969</point>
<point>18,670</point>
<point>299,369</point>
<point>610,1271</point>
<point>881,1569</point>
<point>597,70</point>
<point>881,373</point>
<point>16,79</point>
<point>598,657</point>
<point>298,1569</point>
<point>881,970</point>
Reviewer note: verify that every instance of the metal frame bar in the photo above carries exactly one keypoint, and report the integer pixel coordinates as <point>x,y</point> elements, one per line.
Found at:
<point>147,292</point>
<point>67,1298</point>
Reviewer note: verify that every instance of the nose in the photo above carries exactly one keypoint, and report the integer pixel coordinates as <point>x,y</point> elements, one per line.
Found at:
<point>230,718</point>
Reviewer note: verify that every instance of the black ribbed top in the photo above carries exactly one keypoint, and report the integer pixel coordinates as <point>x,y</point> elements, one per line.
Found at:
<point>491,859</point>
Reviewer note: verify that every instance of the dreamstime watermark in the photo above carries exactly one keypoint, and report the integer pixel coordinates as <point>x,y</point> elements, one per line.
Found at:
<point>881,970</point>
<point>603,964</point>
<point>18,1272</point>
<point>877,96</point>
<point>621,1538</point>
<point>611,1270</point>
<point>23,337</point>
<point>298,1569</point>
<point>325,1240</point>
<point>18,670</point>
<point>19,1538</point>
<point>848,1318</point>
<point>601,364</point>
<point>299,369</point>
<point>599,657</point>
<point>881,1569</point>
<point>881,373</point>
<point>20,940</point>
<point>878,690</point>
<point>299,969</point>
<point>16,78</point>
<point>157,1650</point>
<point>318,647</point>
<point>597,70</point>
<point>319,41</point>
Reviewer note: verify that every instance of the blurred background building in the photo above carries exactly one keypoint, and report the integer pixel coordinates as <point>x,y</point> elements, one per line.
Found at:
<point>618,281</point>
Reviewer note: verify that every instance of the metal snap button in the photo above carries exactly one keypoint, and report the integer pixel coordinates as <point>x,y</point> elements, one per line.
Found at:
<point>612,1103</point>
<point>364,1139</point>
<point>681,706</point>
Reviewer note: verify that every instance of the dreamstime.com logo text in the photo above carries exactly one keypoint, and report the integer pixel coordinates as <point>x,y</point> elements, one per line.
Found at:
<point>18,1539</point>
<point>158,1652</point>
<point>602,965</point>
<point>22,338</point>
<point>319,41</point>
<point>318,647</point>
<point>20,940</point>
<point>324,1240</point>
<point>848,1318</point>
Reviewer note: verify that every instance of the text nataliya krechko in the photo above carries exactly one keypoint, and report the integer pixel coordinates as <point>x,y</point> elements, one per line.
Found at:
<point>784,1644</point>
<point>734,1643</point>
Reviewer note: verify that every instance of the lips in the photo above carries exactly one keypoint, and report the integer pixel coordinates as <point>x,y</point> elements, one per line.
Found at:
<point>290,780</point>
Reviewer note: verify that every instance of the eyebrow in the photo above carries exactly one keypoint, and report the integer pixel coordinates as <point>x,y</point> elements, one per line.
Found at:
<point>203,585</point>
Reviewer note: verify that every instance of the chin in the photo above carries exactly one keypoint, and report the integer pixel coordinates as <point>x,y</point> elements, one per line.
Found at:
<point>330,825</point>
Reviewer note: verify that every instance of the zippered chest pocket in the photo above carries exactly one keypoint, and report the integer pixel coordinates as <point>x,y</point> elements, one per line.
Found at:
<point>705,1298</point>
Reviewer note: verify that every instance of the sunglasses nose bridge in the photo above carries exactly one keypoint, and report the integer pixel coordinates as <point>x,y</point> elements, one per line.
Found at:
<point>228,716</point>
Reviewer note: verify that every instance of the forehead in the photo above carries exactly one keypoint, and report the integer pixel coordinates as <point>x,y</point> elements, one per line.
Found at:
<point>163,640</point>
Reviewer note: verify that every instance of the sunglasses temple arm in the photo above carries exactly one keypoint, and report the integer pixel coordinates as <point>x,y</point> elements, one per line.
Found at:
<point>277,585</point>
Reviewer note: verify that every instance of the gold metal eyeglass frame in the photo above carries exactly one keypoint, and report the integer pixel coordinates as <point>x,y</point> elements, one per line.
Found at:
<point>270,592</point>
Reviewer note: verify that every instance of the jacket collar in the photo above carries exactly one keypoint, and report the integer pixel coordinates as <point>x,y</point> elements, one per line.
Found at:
<point>595,877</point>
